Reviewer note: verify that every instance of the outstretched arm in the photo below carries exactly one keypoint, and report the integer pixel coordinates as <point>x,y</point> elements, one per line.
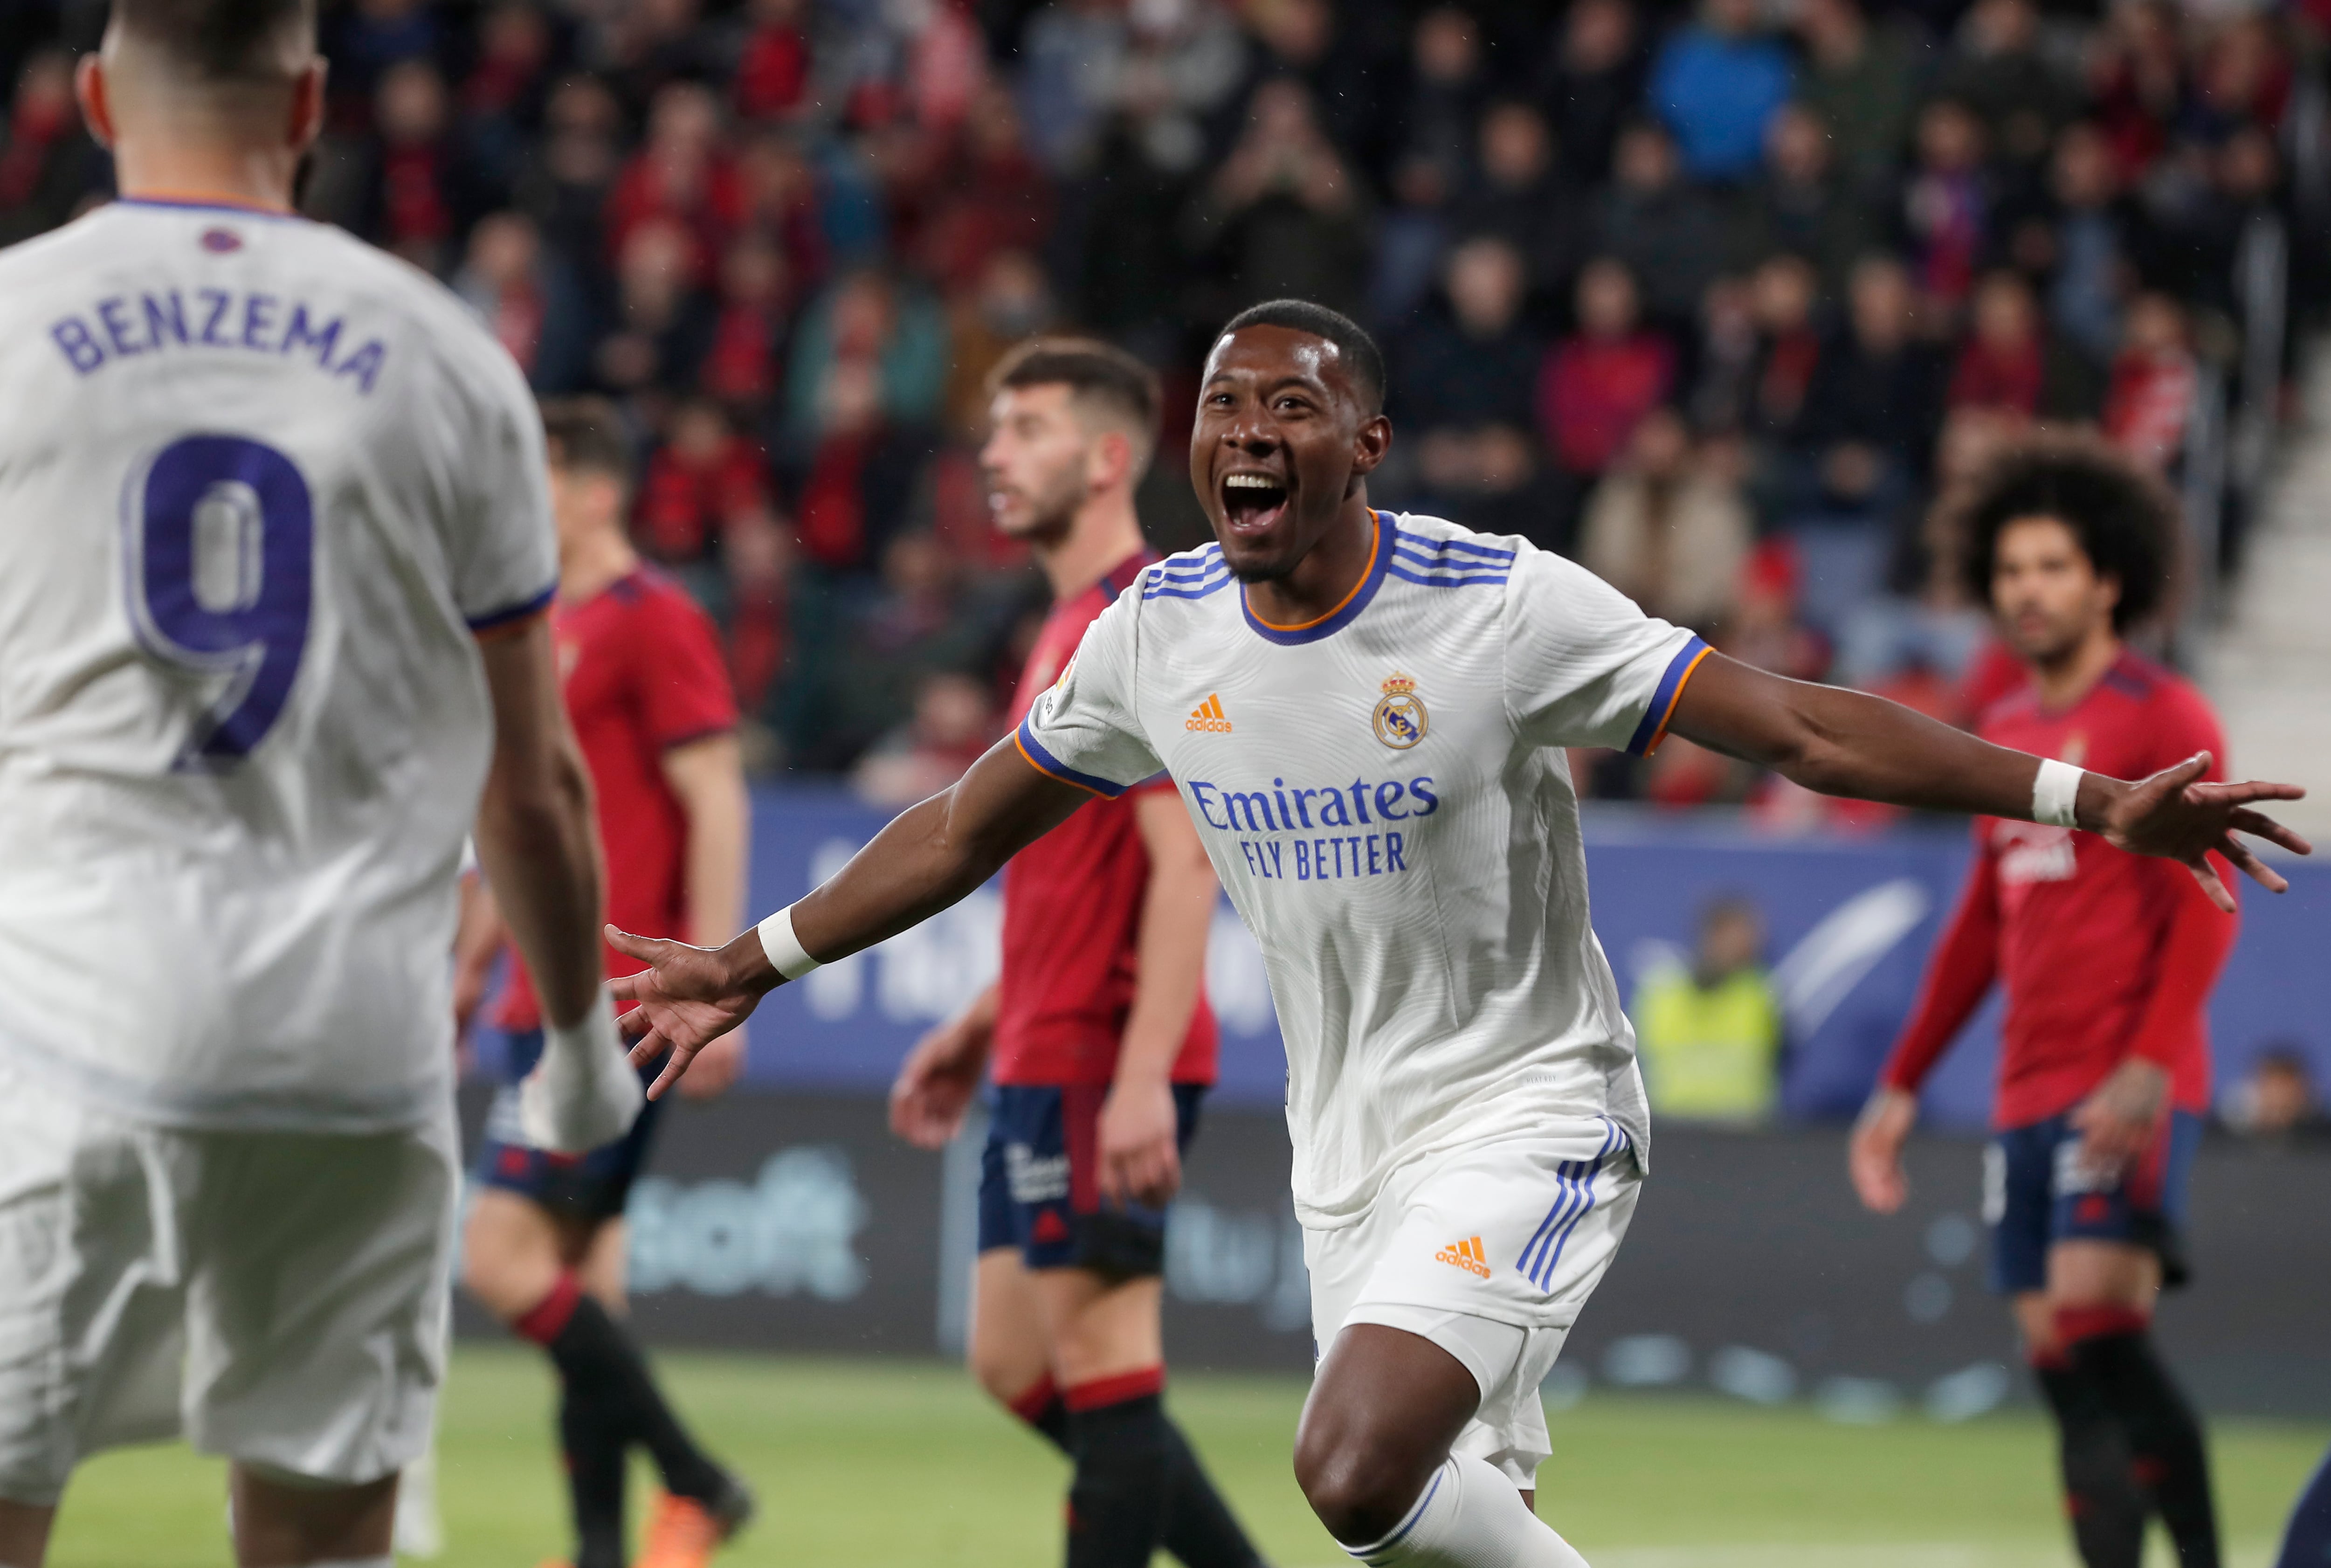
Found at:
<point>1848,743</point>
<point>929,857</point>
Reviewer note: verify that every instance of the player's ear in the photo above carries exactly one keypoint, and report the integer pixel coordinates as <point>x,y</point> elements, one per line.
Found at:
<point>1370,442</point>
<point>90,88</point>
<point>1110,460</point>
<point>308,105</point>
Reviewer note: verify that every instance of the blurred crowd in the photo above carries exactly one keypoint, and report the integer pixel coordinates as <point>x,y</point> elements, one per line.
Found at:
<point>1712,299</point>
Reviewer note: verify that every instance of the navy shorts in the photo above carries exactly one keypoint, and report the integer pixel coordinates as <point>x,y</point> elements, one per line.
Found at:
<point>2035,1193</point>
<point>590,1187</point>
<point>1040,1182</point>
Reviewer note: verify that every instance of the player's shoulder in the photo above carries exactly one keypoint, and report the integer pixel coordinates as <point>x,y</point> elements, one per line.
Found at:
<point>2163,704</point>
<point>645,599</point>
<point>1435,553</point>
<point>1182,580</point>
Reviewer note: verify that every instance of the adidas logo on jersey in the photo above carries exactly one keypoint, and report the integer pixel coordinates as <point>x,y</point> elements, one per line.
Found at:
<point>1466,1255</point>
<point>1208,715</point>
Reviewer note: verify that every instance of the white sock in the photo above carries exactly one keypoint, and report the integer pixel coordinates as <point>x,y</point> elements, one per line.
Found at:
<point>1470,1517</point>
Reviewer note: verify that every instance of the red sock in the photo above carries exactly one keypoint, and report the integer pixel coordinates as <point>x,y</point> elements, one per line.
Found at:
<point>1114,1390</point>
<point>547,1319</point>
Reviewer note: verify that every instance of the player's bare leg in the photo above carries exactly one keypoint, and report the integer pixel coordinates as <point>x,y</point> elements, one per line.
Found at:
<point>1373,1457</point>
<point>282,1522</point>
<point>24,1532</point>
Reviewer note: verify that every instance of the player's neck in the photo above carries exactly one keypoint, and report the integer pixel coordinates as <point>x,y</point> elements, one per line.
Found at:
<point>588,569</point>
<point>1104,532</point>
<point>2062,682</point>
<point>203,171</point>
<point>1327,575</point>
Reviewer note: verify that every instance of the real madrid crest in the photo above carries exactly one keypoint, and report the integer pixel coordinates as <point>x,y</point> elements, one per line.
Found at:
<point>1400,716</point>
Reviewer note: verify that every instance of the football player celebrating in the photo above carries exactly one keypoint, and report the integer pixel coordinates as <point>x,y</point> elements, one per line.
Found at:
<point>1467,1122</point>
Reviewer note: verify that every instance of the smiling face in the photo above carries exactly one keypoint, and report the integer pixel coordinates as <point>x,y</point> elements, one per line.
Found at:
<point>1285,437</point>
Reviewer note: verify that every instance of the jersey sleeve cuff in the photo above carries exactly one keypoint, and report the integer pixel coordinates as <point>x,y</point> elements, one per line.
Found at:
<point>1044,762</point>
<point>1665,695</point>
<point>510,615</point>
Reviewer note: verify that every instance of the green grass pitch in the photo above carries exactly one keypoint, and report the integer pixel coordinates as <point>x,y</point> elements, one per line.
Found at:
<point>900,1465</point>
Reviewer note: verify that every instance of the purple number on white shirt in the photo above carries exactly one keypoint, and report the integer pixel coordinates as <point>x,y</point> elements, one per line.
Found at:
<point>222,549</point>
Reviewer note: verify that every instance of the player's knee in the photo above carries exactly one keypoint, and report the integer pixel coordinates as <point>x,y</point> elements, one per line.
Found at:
<point>1004,1377</point>
<point>1359,1489</point>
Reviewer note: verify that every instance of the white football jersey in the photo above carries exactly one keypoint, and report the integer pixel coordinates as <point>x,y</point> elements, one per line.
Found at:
<point>260,485</point>
<point>1384,794</point>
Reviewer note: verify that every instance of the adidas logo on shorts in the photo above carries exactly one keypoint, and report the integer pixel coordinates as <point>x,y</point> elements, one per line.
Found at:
<point>1466,1255</point>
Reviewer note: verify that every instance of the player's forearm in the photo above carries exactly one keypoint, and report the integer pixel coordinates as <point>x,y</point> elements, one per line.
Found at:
<point>1838,742</point>
<point>1959,975</point>
<point>720,846</point>
<point>537,844</point>
<point>1170,967</point>
<point>929,858</point>
<point>2183,972</point>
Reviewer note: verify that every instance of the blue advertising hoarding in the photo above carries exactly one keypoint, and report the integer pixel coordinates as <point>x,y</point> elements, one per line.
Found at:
<point>1848,921</point>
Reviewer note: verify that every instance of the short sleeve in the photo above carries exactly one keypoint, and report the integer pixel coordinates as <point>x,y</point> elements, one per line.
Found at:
<point>682,678</point>
<point>1083,730</point>
<point>1584,665</point>
<point>505,553</point>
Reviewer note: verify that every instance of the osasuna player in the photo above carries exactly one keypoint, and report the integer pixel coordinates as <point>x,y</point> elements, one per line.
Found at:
<point>1098,1028</point>
<point>1365,714</point>
<point>2108,960</point>
<point>274,543</point>
<point>647,690</point>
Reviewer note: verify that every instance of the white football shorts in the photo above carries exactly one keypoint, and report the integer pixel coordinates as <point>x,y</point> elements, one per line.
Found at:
<point>278,1299</point>
<point>1488,1250</point>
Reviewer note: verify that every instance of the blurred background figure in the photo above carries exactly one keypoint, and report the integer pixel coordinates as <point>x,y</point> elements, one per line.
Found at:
<point>1710,1032</point>
<point>2276,1097</point>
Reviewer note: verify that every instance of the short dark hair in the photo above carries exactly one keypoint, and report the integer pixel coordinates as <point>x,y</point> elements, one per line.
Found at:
<point>586,434</point>
<point>1093,371</point>
<point>2125,519</point>
<point>1357,350</point>
<point>220,39</point>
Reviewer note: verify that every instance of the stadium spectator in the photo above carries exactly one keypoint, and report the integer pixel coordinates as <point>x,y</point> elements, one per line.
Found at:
<point>953,721</point>
<point>1668,232</point>
<point>563,182</point>
<point>1783,295</point>
<point>683,176</point>
<point>1519,195</point>
<point>2086,240</point>
<point>44,163</point>
<point>1710,1032</point>
<point>1946,204</point>
<point>1594,85</point>
<point>1439,109</point>
<point>1859,79</point>
<point>2149,403</point>
<point>2013,362</point>
<point>419,197</point>
<point>744,359</point>
<point>2276,1097</point>
<point>1802,204</point>
<point>773,68</point>
<point>1284,215</point>
<point>661,322</point>
<point>2001,71</point>
<point>1874,398</point>
<point>1475,362</point>
<point>1717,83</point>
<point>527,298</point>
<point>1597,383</point>
<point>1667,529</point>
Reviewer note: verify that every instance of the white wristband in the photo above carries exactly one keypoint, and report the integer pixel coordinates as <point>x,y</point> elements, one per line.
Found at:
<point>2054,795</point>
<point>590,1035</point>
<point>785,952</point>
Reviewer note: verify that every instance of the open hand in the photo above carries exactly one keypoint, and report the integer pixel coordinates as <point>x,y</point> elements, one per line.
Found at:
<point>936,1083</point>
<point>1874,1157</point>
<point>1140,1151</point>
<point>2121,1116</point>
<point>687,998</point>
<point>2175,816</point>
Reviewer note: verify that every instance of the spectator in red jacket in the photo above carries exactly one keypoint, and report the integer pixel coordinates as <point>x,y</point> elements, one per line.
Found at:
<point>744,364</point>
<point>704,486</point>
<point>1596,385</point>
<point>2012,362</point>
<point>773,72</point>
<point>2150,401</point>
<point>682,175</point>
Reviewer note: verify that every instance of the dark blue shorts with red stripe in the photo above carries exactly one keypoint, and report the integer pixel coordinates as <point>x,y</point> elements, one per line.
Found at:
<point>588,1187</point>
<point>1040,1182</point>
<point>2036,1192</point>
